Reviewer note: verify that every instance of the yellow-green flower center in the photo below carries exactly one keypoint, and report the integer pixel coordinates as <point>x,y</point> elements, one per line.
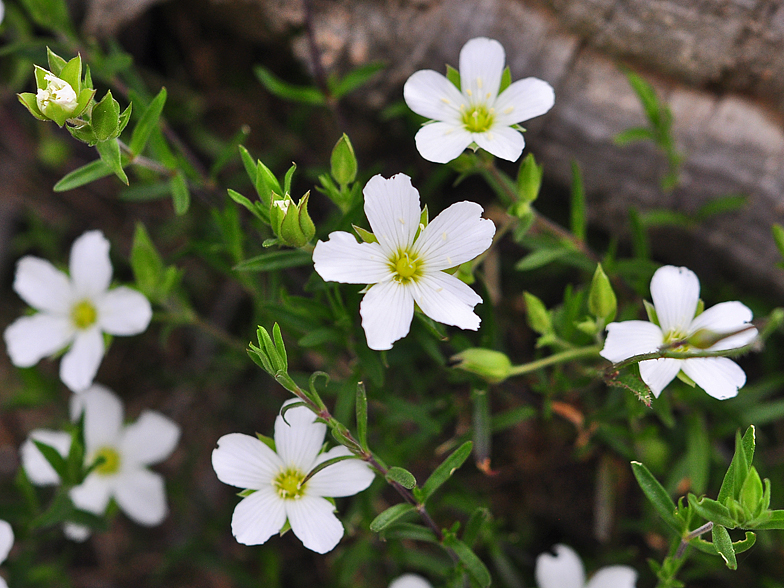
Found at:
<point>83,314</point>
<point>406,267</point>
<point>478,119</point>
<point>676,341</point>
<point>111,463</point>
<point>289,484</point>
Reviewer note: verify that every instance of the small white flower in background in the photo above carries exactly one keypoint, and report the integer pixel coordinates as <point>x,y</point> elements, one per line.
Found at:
<point>676,292</point>
<point>410,581</point>
<point>127,451</point>
<point>407,263</point>
<point>6,542</point>
<point>2,11</point>
<point>476,113</point>
<point>75,311</point>
<point>276,477</point>
<point>565,570</point>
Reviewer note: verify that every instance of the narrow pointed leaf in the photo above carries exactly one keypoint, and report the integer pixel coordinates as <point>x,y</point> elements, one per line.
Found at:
<point>110,155</point>
<point>389,516</point>
<point>90,172</point>
<point>445,470</point>
<point>147,122</point>
<point>656,494</point>
<point>723,544</point>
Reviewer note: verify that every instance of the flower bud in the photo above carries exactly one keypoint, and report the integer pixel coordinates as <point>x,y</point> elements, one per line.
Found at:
<point>343,161</point>
<point>601,298</point>
<point>493,366</point>
<point>291,222</point>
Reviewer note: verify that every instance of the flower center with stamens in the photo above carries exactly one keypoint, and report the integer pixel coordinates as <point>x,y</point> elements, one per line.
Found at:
<point>111,463</point>
<point>478,119</point>
<point>405,266</point>
<point>84,314</point>
<point>289,485</point>
<point>676,341</point>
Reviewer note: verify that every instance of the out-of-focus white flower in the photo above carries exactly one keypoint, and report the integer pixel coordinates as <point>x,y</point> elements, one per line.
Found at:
<point>276,478</point>
<point>476,113</point>
<point>407,263</point>
<point>127,450</point>
<point>410,581</point>
<point>676,292</point>
<point>6,542</point>
<point>565,570</point>
<point>75,311</point>
<point>2,11</point>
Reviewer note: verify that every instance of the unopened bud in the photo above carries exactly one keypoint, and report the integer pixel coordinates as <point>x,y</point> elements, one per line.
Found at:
<point>493,366</point>
<point>291,222</point>
<point>601,298</point>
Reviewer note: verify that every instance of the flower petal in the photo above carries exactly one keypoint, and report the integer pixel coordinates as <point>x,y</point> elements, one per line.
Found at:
<point>43,286</point>
<point>342,259</point>
<point>80,364</point>
<point>103,417</point>
<point>441,142</point>
<point>245,462</point>
<point>123,311</point>
<point>562,570</point>
<point>614,577</point>
<point>141,494</point>
<point>523,100</point>
<point>93,494</point>
<point>481,65</point>
<point>630,338</point>
<point>392,209</point>
<point>36,466</point>
<point>90,267</point>
<point>430,94</point>
<point>726,317</point>
<point>31,338</point>
<point>657,373</point>
<point>6,539</point>
<point>77,533</point>
<point>675,292</point>
<point>344,478</point>
<point>503,142</point>
<point>447,300</point>
<point>314,523</point>
<point>410,581</point>
<point>298,438</point>
<point>455,236</point>
<point>258,517</point>
<point>151,439</point>
<point>386,310</point>
<point>720,377</point>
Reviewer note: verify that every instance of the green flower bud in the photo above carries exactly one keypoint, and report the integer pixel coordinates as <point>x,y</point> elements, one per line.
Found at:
<point>601,298</point>
<point>291,222</point>
<point>493,366</point>
<point>538,316</point>
<point>60,95</point>
<point>343,161</point>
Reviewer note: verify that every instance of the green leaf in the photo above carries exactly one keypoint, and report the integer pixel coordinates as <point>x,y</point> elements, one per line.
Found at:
<point>90,172</point>
<point>280,347</point>
<point>744,544</point>
<point>739,466</point>
<point>578,216</point>
<point>712,510</point>
<point>657,495</point>
<point>146,263</point>
<point>445,470</point>
<point>325,464</point>
<point>506,79</point>
<point>147,122</point>
<point>633,135</point>
<point>774,520</point>
<point>181,196</point>
<point>409,531</point>
<point>539,258</point>
<point>778,237</point>
<point>274,260</point>
<point>54,458</point>
<point>640,244</point>
<point>278,87</point>
<point>288,177</point>
<point>59,511</point>
<point>537,315</point>
<point>243,201</point>
<point>56,63</point>
<point>390,515</point>
<point>110,155</point>
<point>401,476</point>
<point>105,119</point>
<point>362,416</point>
<point>721,205</point>
<point>723,544</point>
<point>474,566</point>
<point>50,14</point>
<point>453,76</point>
<point>72,73</point>
<point>356,78</point>
<point>647,96</point>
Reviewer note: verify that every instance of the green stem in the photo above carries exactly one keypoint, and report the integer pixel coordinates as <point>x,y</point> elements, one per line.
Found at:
<point>562,357</point>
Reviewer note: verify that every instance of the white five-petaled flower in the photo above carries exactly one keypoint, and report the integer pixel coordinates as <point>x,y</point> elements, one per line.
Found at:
<point>407,263</point>
<point>127,450</point>
<point>676,292</point>
<point>73,311</point>
<point>6,542</point>
<point>565,570</point>
<point>410,581</point>
<point>276,476</point>
<point>477,112</point>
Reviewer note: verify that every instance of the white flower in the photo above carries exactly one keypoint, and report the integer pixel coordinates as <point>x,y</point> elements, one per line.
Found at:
<point>410,581</point>
<point>127,451</point>
<point>2,11</point>
<point>676,292</point>
<point>246,462</point>
<point>6,542</point>
<point>565,570</point>
<point>407,263</point>
<point>73,311</point>
<point>57,92</point>
<point>476,113</point>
